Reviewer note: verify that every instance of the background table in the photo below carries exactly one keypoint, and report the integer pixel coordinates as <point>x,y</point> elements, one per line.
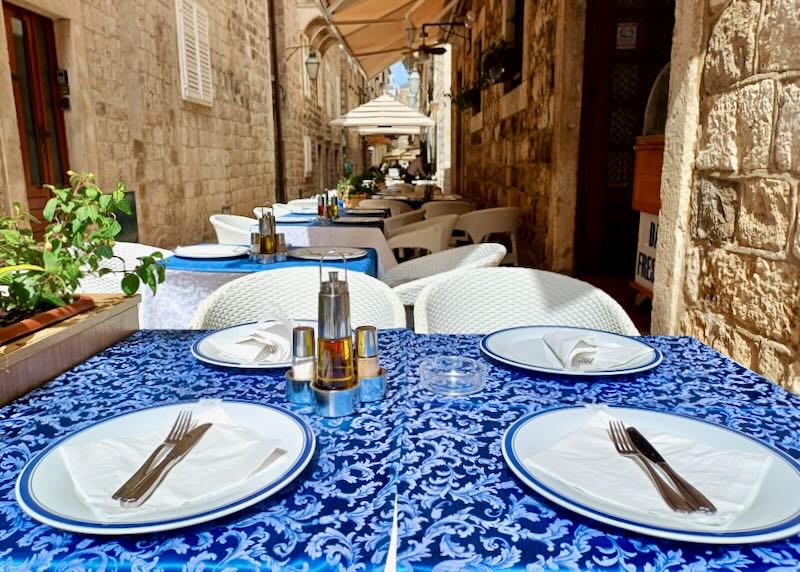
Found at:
<point>336,516</point>
<point>340,235</point>
<point>190,281</point>
<point>461,508</point>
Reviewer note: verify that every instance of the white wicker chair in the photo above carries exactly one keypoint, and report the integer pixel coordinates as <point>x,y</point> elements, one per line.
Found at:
<point>402,187</point>
<point>409,278</point>
<point>440,208</point>
<point>293,292</point>
<point>394,224</point>
<point>129,252</point>
<point>395,207</point>
<point>432,235</point>
<point>480,225</point>
<point>232,229</point>
<point>487,299</point>
<point>277,209</point>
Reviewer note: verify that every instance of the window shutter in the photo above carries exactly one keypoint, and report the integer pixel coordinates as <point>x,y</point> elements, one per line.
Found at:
<point>194,52</point>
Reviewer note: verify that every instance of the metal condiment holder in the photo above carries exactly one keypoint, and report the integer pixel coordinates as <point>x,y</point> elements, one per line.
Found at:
<point>334,402</point>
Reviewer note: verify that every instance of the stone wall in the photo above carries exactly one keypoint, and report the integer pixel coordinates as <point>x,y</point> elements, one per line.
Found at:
<point>509,149</point>
<point>308,107</point>
<point>741,275</point>
<point>184,161</point>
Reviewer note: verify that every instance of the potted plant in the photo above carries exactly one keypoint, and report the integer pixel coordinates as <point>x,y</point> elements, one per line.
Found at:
<point>38,278</point>
<point>500,62</point>
<point>352,190</point>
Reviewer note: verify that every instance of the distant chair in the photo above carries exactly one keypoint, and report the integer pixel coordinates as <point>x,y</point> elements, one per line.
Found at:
<point>292,292</point>
<point>394,224</point>
<point>127,254</point>
<point>408,279</point>
<point>302,205</point>
<point>481,225</point>
<point>402,187</point>
<point>395,207</point>
<point>440,208</point>
<point>432,235</point>
<point>277,209</point>
<point>232,229</point>
<point>487,299</point>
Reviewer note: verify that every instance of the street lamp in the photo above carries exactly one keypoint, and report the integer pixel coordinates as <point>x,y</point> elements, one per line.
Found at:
<point>312,65</point>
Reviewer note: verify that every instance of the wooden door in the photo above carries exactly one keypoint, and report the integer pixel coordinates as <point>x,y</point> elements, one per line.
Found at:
<point>627,43</point>
<point>32,55</point>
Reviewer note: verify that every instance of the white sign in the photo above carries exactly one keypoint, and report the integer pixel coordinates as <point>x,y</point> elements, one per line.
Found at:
<point>646,251</point>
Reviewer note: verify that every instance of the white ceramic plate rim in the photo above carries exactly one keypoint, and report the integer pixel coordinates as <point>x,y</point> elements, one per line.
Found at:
<point>196,251</point>
<point>41,514</point>
<point>305,252</point>
<point>487,339</point>
<point>198,353</point>
<point>788,528</point>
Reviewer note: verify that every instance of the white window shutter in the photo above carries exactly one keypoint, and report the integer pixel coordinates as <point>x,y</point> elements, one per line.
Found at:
<point>194,52</point>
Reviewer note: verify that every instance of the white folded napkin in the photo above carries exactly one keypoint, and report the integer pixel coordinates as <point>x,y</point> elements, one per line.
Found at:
<point>270,341</point>
<point>225,457</point>
<point>581,351</point>
<point>587,461</point>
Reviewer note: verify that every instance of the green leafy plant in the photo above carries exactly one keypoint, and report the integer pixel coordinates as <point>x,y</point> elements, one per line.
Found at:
<point>500,63</point>
<point>37,274</point>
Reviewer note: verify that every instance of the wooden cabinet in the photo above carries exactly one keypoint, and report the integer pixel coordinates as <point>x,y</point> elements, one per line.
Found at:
<point>647,174</point>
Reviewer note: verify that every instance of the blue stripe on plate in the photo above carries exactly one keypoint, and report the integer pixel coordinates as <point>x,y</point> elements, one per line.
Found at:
<point>484,345</point>
<point>27,497</point>
<point>514,460</point>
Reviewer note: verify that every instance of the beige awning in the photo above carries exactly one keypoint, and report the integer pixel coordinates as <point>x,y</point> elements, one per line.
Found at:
<point>383,113</point>
<point>376,31</point>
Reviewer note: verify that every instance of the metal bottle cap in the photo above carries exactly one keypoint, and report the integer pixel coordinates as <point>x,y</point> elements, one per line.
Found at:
<point>334,308</point>
<point>303,341</point>
<point>366,341</point>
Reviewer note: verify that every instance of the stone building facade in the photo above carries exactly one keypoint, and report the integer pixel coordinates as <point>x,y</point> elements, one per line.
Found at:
<point>129,121</point>
<point>519,145</point>
<point>316,152</point>
<point>733,275</point>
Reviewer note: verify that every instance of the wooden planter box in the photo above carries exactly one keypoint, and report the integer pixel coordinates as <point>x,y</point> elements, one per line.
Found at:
<point>28,362</point>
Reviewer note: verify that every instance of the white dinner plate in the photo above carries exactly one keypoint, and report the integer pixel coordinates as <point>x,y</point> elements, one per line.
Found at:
<point>358,220</point>
<point>316,252</point>
<point>44,490</point>
<point>309,210</point>
<point>295,219</point>
<point>774,514</point>
<point>211,251</point>
<point>524,347</point>
<point>208,348</point>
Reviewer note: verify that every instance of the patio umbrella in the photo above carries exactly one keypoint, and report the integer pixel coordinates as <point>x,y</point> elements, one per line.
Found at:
<point>384,113</point>
<point>388,131</point>
<point>377,31</point>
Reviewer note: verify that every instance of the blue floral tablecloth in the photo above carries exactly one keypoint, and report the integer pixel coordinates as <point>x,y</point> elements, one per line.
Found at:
<point>336,516</point>
<point>461,508</point>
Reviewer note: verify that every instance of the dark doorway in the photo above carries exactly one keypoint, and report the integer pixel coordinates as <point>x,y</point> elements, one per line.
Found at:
<point>32,55</point>
<point>627,44</point>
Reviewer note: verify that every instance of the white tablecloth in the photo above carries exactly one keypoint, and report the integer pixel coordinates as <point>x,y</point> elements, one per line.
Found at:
<point>341,235</point>
<point>178,297</point>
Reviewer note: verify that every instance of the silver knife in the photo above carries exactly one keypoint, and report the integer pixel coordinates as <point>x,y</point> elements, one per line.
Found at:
<point>685,487</point>
<point>144,489</point>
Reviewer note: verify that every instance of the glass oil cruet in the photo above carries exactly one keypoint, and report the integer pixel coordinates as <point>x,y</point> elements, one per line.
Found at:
<point>335,369</point>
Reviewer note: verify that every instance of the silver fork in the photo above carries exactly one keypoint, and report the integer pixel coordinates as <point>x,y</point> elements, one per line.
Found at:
<point>182,425</point>
<point>625,448</point>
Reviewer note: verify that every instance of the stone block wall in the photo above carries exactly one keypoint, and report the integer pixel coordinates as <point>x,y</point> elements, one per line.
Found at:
<point>184,161</point>
<point>742,280</point>
<point>507,155</point>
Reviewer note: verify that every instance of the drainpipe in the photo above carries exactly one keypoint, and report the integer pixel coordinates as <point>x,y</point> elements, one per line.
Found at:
<point>280,172</point>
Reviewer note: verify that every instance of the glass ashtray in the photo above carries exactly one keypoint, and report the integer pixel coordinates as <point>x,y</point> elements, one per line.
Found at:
<point>452,376</point>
